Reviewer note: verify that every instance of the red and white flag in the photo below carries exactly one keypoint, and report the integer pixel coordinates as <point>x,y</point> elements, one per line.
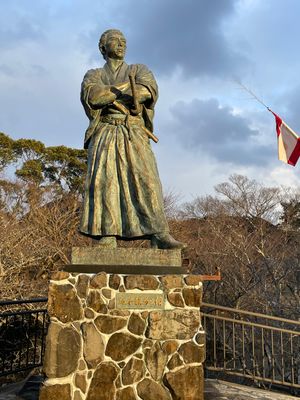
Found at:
<point>288,142</point>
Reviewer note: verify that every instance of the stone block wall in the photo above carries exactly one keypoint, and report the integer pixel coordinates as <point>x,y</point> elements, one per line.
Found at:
<point>97,350</point>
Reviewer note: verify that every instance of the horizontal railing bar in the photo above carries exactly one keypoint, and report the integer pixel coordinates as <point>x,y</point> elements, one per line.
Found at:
<point>22,312</point>
<point>26,301</point>
<point>236,310</point>
<point>242,322</point>
<point>253,377</point>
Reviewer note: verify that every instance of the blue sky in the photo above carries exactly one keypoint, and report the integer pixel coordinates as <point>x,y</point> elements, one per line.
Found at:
<point>208,126</point>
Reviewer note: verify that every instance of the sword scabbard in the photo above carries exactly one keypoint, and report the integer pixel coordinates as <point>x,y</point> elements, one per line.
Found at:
<point>137,107</point>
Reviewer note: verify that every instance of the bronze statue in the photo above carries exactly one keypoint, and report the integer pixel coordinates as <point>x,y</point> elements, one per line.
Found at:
<point>123,194</point>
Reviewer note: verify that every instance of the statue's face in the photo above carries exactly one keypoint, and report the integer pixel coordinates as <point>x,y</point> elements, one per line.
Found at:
<point>115,46</point>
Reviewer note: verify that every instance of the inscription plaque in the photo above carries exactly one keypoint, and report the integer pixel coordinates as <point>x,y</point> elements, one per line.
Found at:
<point>140,300</point>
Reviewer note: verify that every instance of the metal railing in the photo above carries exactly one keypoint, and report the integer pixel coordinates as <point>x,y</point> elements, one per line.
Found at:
<point>23,327</point>
<point>250,345</point>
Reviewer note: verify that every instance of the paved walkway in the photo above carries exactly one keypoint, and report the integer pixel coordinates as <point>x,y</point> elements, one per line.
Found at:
<point>8,392</point>
<point>214,390</point>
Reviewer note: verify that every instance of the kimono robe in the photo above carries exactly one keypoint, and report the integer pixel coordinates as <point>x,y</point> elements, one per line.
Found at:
<point>123,193</point>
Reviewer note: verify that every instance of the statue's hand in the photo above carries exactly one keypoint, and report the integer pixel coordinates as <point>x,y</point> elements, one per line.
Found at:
<point>143,94</point>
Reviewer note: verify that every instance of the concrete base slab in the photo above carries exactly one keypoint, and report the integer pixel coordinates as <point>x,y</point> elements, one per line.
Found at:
<point>125,269</point>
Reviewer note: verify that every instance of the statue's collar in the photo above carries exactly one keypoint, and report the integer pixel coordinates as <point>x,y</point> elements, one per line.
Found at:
<point>113,68</point>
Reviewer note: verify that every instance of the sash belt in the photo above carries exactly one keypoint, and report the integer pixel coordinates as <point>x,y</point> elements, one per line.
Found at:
<point>117,119</point>
<point>127,120</point>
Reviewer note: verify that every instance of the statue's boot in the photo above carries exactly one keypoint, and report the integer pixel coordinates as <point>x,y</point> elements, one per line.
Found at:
<point>165,241</point>
<point>109,242</point>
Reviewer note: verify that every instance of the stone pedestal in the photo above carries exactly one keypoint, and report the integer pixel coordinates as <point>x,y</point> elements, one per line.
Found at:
<point>124,337</point>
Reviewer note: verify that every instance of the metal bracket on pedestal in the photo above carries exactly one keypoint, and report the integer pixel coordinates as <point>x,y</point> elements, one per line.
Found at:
<point>215,277</point>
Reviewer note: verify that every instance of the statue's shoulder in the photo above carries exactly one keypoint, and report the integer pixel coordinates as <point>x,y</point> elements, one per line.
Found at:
<point>142,71</point>
<point>141,67</point>
<point>93,73</point>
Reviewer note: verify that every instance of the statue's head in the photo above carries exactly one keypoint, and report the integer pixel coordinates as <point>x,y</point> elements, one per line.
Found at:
<point>112,44</point>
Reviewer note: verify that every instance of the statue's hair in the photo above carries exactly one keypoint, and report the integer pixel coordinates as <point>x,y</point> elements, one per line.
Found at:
<point>103,38</point>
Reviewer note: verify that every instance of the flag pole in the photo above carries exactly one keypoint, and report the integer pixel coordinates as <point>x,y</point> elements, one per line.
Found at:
<point>254,95</point>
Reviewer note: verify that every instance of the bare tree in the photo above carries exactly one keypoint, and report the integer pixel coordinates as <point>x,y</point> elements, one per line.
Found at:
<point>235,231</point>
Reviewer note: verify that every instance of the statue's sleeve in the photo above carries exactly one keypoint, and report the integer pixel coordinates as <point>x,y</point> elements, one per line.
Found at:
<point>145,77</point>
<point>91,78</point>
